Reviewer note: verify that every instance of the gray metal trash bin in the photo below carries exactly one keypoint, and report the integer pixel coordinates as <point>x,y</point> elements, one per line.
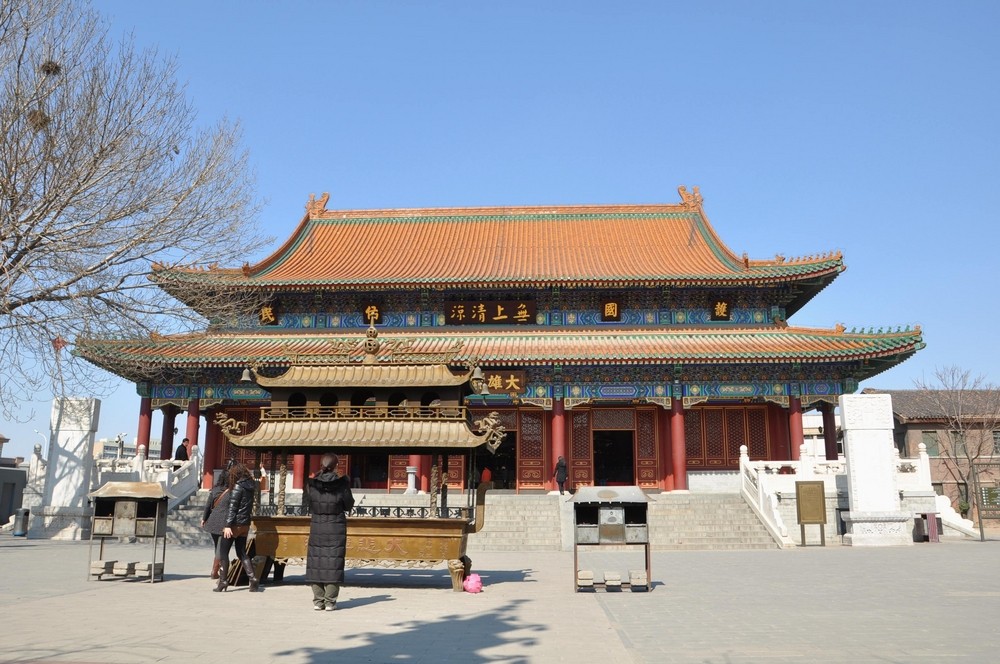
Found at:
<point>21,522</point>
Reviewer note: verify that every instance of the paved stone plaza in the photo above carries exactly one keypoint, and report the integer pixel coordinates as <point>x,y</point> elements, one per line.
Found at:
<point>925,603</point>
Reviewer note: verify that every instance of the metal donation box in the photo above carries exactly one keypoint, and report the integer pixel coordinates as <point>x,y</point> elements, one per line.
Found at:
<point>610,516</point>
<point>129,509</point>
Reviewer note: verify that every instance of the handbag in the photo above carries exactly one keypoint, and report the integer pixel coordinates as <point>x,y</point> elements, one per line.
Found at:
<point>240,531</point>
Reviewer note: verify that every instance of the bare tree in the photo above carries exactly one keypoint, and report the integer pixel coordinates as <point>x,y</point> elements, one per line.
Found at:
<point>967,409</point>
<point>104,172</point>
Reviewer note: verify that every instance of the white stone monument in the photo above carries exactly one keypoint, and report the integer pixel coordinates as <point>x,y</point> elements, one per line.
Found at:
<point>65,511</point>
<point>874,517</point>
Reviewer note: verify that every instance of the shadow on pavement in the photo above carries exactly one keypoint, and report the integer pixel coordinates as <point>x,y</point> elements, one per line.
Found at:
<point>453,638</point>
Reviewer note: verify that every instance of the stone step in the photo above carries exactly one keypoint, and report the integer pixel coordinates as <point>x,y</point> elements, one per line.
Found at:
<point>529,522</point>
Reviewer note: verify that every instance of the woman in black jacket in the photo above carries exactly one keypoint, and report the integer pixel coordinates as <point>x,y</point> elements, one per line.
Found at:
<point>242,488</point>
<point>331,498</point>
<point>214,519</point>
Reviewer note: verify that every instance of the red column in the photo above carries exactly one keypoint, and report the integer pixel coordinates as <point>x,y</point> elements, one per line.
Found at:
<point>795,435</point>
<point>167,432</point>
<point>829,431</point>
<point>678,450</point>
<point>314,464</point>
<point>425,473</point>
<point>211,452</point>
<point>558,441</point>
<point>193,422</point>
<point>298,471</point>
<point>414,460</point>
<point>666,463</point>
<point>145,424</point>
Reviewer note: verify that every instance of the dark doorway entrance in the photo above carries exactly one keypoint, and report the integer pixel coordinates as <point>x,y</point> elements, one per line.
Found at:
<point>502,465</point>
<point>370,471</point>
<point>614,458</point>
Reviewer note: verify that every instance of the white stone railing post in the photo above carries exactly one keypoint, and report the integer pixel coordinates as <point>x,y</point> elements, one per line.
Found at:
<point>806,461</point>
<point>923,466</point>
<point>199,462</point>
<point>139,462</point>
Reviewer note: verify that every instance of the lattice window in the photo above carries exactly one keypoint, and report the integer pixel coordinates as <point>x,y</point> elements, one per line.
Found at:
<point>693,445</point>
<point>757,446</point>
<point>614,418</point>
<point>581,436</point>
<point>530,437</point>
<point>582,470</point>
<point>714,444</point>
<point>646,434</point>
<point>736,434</point>
<point>530,473</point>
<point>508,418</point>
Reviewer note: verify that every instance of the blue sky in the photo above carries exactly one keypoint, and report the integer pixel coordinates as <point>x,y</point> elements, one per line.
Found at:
<point>869,128</point>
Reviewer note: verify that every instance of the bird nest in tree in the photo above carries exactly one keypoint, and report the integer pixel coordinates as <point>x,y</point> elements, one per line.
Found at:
<point>38,120</point>
<point>50,68</point>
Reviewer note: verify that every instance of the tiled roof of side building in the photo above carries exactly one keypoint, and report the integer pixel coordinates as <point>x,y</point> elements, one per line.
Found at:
<point>496,247</point>
<point>938,404</point>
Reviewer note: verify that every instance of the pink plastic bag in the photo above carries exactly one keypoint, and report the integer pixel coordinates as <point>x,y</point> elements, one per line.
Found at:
<point>472,583</point>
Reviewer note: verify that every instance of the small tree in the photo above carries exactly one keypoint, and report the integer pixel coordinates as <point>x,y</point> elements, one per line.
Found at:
<point>103,173</point>
<point>968,407</point>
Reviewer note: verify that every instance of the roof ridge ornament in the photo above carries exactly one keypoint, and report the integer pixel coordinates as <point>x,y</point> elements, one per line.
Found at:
<point>316,206</point>
<point>691,200</point>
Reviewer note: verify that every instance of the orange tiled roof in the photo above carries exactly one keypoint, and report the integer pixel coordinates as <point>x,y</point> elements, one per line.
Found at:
<point>496,247</point>
<point>365,375</point>
<point>522,347</point>
<point>378,434</point>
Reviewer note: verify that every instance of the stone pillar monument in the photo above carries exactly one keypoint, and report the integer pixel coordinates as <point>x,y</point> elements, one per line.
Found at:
<point>874,518</point>
<point>65,512</point>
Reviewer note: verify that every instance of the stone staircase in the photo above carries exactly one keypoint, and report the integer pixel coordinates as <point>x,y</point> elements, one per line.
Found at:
<point>543,522</point>
<point>705,521</point>
<point>519,523</point>
<point>184,522</point>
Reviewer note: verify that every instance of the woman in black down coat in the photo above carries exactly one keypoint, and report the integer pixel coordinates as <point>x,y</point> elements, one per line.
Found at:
<point>241,493</point>
<point>330,498</point>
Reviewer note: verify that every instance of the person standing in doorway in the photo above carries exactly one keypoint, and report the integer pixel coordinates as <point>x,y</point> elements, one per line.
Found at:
<point>331,499</point>
<point>559,473</point>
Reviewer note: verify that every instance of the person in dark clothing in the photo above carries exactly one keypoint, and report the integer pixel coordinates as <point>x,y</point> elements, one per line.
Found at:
<point>331,498</point>
<point>560,474</point>
<point>214,519</point>
<point>182,451</point>
<point>242,488</point>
